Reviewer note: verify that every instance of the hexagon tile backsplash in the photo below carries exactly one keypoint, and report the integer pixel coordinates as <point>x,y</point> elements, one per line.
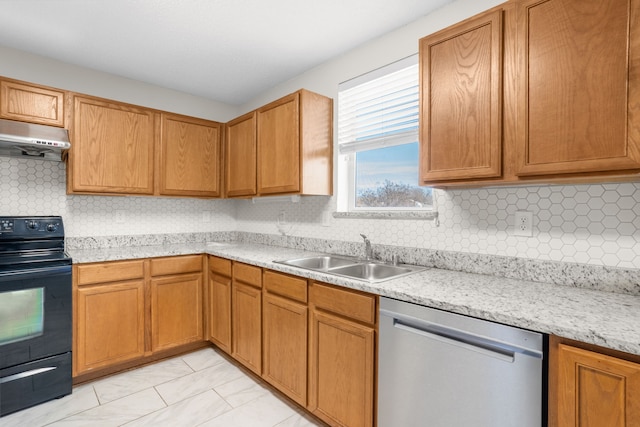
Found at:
<point>592,224</point>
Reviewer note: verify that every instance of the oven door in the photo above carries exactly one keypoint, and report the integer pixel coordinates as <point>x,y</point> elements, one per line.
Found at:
<point>35,314</point>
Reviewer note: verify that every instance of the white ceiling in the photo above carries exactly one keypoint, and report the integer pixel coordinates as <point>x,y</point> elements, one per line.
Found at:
<point>225,50</point>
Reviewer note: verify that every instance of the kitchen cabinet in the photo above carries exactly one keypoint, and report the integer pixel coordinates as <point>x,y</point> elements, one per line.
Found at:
<point>220,302</point>
<point>342,354</point>
<point>31,103</point>
<point>295,145</point>
<point>578,86</point>
<point>246,315</point>
<point>284,335</point>
<point>129,312</point>
<point>532,91</point>
<point>190,158</point>
<point>589,388</point>
<point>112,150</point>
<point>241,161</point>
<point>109,323</point>
<point>461,100</point>
<point>119,148</point>
<point>176,301</point>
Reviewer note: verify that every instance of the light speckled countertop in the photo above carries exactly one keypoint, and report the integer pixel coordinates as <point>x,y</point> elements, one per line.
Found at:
<point>604,318</point>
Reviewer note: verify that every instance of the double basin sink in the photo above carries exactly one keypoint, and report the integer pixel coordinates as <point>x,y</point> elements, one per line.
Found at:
<point>353,268</point>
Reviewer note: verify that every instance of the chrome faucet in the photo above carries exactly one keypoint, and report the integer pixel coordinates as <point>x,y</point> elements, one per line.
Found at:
<point>368,251</point>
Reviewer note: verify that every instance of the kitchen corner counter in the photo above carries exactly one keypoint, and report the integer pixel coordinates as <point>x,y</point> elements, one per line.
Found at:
<point>607,319</point>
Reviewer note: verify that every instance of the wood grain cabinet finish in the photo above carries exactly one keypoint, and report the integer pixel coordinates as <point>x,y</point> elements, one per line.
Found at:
<point>112,148</point>
<point>220,302</point>
<point>579,86</point>
<point>176,301</point>
<point>594,389</point>
<point>461,100</point>
<point>30,103</point>
<point>342,354</point>
<point>130,311</point>
<point>241,157</point>
<point>247,316</point>
<point>295,145</point>
<point>109,314</point>
<point>190,158</point>
<point>284,337</point>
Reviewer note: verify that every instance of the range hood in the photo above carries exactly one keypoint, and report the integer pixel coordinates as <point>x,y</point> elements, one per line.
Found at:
<point>28,140</point>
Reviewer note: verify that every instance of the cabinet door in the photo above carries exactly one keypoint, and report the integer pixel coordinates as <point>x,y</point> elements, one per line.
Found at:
<point>596,390</point>
<point>220,310</point>
<point>461,100</point>
<point>247,326</point>
<point>241,156</point>
<point>189,157</point>
<point>279,146</point>
<point>285,346</point>
<point>578,81</point>
<point>28,103</point>
<point>112,148</point>
<point>176,310</point>
<point>341,371</point>
<point>109,324</point>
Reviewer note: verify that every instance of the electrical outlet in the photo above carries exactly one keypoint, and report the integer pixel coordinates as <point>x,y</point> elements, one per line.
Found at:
<point>206,216</point>
<point>120,217</point>
<point>523,224</point>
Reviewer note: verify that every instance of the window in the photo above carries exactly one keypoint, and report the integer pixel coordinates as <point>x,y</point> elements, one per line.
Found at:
<point>378,141</point>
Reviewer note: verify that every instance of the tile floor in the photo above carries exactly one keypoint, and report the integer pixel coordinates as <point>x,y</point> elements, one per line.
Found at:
<point>197,389</point>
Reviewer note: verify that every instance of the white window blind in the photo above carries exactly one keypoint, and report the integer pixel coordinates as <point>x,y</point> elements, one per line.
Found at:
<point>382,110</point>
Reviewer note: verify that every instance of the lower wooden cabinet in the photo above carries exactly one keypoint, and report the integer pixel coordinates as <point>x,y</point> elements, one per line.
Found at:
<point>342,354</point>
<point>110,324</point>
<point>246,315</point>
<point>591,389</point>
<point>284,335</point>
<point>127,310</point>
<point>220,302</point>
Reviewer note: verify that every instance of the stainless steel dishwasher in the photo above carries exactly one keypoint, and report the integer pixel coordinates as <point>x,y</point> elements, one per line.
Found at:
<point>440,369</point>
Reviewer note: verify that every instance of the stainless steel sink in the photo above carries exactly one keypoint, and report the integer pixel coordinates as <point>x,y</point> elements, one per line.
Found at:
<point>372,272</point>
<point>353,268</point>
<point>322,262</point>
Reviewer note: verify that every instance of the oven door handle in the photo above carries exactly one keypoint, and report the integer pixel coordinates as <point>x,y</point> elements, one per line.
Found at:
<point>26,374</point>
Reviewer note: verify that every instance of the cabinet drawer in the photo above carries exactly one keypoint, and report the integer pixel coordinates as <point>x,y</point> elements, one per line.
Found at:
<point>87,274</point>
<point>176,265</point>
<point>286,286</point>
<point>347,303</point>
<point>220,265</point>
<point>247,274</point>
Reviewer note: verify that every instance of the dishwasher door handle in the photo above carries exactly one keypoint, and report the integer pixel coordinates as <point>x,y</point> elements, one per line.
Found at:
<point>467,341</point>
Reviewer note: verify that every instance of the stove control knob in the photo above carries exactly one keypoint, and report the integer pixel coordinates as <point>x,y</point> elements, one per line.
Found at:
<point>33,225</point>
<point>52,227</point>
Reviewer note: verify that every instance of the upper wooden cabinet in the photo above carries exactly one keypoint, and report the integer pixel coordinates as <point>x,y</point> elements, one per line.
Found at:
<point>241,155</point>
<point>566,106</point>
<point>295,145</point>
<point>461,100</point>
<point>189,157</point>
<point>579,88</point>
<point>112,148</point>
<point>30,103</point>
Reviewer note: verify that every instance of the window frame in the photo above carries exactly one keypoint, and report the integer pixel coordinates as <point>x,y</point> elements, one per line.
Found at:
<point>347,152</point>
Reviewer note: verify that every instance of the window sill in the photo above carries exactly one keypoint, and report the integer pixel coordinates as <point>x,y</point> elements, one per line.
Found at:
<point>428,215</point>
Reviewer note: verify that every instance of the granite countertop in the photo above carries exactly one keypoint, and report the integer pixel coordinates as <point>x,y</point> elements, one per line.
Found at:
<point>607,319</point>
